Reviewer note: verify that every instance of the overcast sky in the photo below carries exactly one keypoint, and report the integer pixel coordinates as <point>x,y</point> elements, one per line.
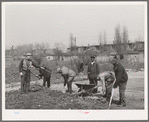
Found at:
<point>45,22</point>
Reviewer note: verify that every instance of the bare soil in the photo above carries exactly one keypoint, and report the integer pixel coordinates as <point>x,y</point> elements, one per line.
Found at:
<point>56,98</point>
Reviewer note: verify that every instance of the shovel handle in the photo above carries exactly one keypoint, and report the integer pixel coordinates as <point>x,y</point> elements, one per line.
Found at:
<point>111,98</point>
<point>111,95</point>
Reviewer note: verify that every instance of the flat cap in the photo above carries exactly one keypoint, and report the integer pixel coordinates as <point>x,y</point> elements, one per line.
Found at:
<point>58,70</point>
<point>92,56</point>
<point>28,54</point>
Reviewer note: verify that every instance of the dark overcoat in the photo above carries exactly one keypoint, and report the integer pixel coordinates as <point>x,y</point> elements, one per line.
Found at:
<point>120,73</point>
<point>46,74</point>
<point>93,70</point>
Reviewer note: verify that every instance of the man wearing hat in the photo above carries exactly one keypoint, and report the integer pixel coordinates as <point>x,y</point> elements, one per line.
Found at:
<point>121,80</point>
<point>24,69</point>
<point>93,72</point>
<point>68,76</point>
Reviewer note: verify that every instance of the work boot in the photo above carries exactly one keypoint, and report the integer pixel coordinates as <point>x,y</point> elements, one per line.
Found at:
<point>67,90</point>
<point>119,103</point>
<point>22,92</point>
<point>104,96</point>
<point>122,105</point>
<point>70,91</point>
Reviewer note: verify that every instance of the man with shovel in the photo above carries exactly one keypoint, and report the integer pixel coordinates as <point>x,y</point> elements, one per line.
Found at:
<point>121,80</point>
<point>24,68</point>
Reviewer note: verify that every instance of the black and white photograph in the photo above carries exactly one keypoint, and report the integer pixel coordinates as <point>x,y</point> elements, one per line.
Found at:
<point>74,60</point>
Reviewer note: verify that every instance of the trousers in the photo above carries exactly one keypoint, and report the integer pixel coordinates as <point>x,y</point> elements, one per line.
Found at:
<point>122,88</point>
<point>69,83</point>
<point>93,81</point>
<point>25,82</point>
<point>108,86</point>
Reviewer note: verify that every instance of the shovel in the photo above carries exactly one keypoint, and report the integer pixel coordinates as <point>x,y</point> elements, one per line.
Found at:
<point>36,75</point>
<point>111,96</point>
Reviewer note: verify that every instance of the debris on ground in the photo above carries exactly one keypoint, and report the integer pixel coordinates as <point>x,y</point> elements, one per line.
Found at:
<point>36,88</point>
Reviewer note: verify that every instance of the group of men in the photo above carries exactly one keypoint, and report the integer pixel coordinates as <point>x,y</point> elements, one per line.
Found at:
<point>109,79</point>
<point>119,77</point>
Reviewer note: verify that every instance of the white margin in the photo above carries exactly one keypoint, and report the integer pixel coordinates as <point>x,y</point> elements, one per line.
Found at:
<point>74,114</point>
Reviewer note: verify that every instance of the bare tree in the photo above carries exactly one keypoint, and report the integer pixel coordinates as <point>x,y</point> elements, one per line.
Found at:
<point>59,50</point>
<point>41,48</point>
<point>105,40</point>
<point>100,41</point>
<point>77,58</point>
<point>44,47</point>
<point>21,49</point>
<point>125,37</point>
<point>117,39</point>
<point>105,37</point>
<point>72,42</point>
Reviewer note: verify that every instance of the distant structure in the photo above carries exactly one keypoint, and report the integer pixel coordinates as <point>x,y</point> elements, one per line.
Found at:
<point>129,46</point>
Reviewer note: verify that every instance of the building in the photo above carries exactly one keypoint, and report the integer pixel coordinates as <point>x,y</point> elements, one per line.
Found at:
<point>139,46</point>
<point>132,56</point>
<point>134,51</point>
<point>107,47</point>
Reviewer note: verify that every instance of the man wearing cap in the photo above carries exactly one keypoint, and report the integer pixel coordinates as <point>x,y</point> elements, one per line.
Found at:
<point>24,69</point>
<point>68,76</point>
<point>93,72</point>
<point>121,80</point>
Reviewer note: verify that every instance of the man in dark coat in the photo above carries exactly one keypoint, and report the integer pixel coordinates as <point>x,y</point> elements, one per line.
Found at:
<point>121,80</point>
<point>93,72</point>
<point>24,68</point>
<point>46,74</point>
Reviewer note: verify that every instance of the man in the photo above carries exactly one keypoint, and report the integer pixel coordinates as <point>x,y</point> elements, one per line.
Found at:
<point>68,76</point>
<point>93,72</point>
<point>107,79</point>
<point>24,68</point>
<point>121,80</point>
<point>46,74</point>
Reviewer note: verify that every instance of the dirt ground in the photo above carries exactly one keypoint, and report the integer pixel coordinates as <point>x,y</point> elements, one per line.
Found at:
<point>56,98</point>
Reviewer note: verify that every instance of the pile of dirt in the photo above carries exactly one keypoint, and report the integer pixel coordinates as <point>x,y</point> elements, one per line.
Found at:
<point>36,87</point>
<point>50,99</point>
